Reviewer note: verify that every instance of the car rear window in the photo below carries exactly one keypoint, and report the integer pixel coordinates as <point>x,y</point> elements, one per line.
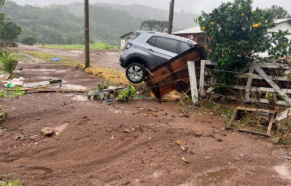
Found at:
<point>185,46</point>
<point>167,44</point>
<point>152,41</point>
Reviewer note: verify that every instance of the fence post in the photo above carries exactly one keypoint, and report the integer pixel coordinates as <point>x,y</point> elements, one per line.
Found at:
<point>249,83</point>
<point>193,82</point>
<point>202,71</point>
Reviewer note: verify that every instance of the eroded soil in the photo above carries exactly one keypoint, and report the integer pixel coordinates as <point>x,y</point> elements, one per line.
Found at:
<point>130,143</point>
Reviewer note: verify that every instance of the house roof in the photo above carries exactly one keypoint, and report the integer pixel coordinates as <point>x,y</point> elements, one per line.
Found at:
<point>278,21</point>
<point>193,30</point>
<point>127,34</point>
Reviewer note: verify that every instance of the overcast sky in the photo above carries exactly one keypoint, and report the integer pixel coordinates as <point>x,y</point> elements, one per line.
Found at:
<point>194,6</point>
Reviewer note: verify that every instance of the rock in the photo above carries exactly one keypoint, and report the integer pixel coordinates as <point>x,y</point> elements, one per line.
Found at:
<point>185,160</point>
<point>197,134</point>
<point>191,152</point>
<point>185,115</point>
<point>126,131</point>
<point>47,131</point>
<point>32,137</point>
<point>215,131</point>
<point>37,118</point>
<point>219,140</point>
<point>21,138</point>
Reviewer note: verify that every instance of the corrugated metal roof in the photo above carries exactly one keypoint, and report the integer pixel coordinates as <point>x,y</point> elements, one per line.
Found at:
<point>278,21</point>
<point>193,30</point>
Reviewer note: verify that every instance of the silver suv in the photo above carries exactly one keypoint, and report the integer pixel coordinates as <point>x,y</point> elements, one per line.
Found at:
<point>150,49</point>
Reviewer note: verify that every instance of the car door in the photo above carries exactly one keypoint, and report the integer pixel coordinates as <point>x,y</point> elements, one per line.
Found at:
<point>161,49</point>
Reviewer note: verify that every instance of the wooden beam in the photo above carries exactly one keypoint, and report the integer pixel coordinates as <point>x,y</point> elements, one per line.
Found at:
<point>232,118</point>
<point>273,84</point>
<point>193,82</point>
<point>270,124</point>
<point>249,83</point>
<point>256,76</point>
<point>202,76</point>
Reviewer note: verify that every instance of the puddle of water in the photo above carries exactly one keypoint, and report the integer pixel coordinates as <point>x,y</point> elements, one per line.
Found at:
<point>79,98</point>
<point>217,176</point>
<point>283,171</point>
<point>74,87</point>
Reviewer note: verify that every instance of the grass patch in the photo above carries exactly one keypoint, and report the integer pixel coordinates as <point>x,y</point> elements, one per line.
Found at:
<point>112,76</point>
<point>21,57</point>
<point>94,46</point>
<point>11,183</point>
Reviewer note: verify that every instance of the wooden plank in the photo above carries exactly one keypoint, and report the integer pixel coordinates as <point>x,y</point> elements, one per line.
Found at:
<point>249,83</point>
<point>193,82</point>
<point>261,89</point>
<point>208,62</point>
<point>201,83</point>
<point>270,125</point>
<point>283,115</point>
<point>268,65</point>
<point>255,110</point>
<point>256,76</point>
<point>272,83</point>
<point>232,118</point>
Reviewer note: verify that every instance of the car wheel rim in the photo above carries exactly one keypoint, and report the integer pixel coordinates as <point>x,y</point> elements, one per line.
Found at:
<point>135,73</point>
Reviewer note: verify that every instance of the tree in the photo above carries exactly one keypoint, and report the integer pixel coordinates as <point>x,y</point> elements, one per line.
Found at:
<point>162,25</point>
<point>29,40</point>
<point>277,12</point>
<point>237,33</point>
<point>10,31</point>
<point>150,24</point>
<point>171,16</point>
<point>155,25</point>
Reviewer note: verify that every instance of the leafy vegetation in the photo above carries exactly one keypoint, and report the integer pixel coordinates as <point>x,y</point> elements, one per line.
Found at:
<point>21,57</point>
<point>125,94</point>
<point>11,183</point>
<point>237,34</point>
<point>9,31</point>
<point>277,12</point>
<point>155,25</point>
<point>29,40</point>
<point>9,63</point>
<point>56,25</point>
<point>95,46</point>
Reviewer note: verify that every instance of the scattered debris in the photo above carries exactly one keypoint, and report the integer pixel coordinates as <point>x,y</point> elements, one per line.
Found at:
<point>178,142</point>
<point>42,83</point>
<point>219,140</point>
<point>191,152</point>
<point>184,115</point>
<point>55,59</point>
<point>185,160</point>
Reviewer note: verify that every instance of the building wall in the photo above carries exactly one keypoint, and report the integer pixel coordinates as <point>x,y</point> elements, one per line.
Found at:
<point>195,36</point>
<point>282,26</point>
<point>125,39</point>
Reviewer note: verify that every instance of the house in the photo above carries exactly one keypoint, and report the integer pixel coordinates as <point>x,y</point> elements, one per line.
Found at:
<point>194,33</point>
<point>125,38</point>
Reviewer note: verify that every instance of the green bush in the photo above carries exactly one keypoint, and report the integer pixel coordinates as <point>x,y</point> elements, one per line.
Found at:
<point>29,40</point>
<point>11,183</point>
<point>237,34</point>
<point>9,64</point>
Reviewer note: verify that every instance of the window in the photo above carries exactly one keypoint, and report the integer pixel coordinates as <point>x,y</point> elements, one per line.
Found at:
<point>152,41</point>
<point>200,40</point>
<point>167,44</point>
<point>185,46</point>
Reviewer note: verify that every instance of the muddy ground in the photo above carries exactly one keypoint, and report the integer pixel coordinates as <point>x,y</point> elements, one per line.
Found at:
<point>126,144</point>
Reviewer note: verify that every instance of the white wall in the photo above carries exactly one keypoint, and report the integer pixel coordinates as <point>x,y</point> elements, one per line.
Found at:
<point>282,26</point>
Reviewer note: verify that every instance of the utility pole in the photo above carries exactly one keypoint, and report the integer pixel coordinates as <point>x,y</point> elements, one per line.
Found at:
<point>171,16</point>
<point>87,36</point>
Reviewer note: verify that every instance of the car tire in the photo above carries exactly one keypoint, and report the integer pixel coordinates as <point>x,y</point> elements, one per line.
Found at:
<point>135,73</point>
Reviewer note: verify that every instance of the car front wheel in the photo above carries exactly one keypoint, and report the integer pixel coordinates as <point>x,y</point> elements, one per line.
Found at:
<point>135,73</point>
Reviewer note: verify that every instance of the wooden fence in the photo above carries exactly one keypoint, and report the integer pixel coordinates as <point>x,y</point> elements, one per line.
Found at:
<point>260,83</point>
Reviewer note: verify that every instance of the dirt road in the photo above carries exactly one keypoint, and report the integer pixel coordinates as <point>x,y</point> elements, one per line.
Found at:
<point>126,144</point>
